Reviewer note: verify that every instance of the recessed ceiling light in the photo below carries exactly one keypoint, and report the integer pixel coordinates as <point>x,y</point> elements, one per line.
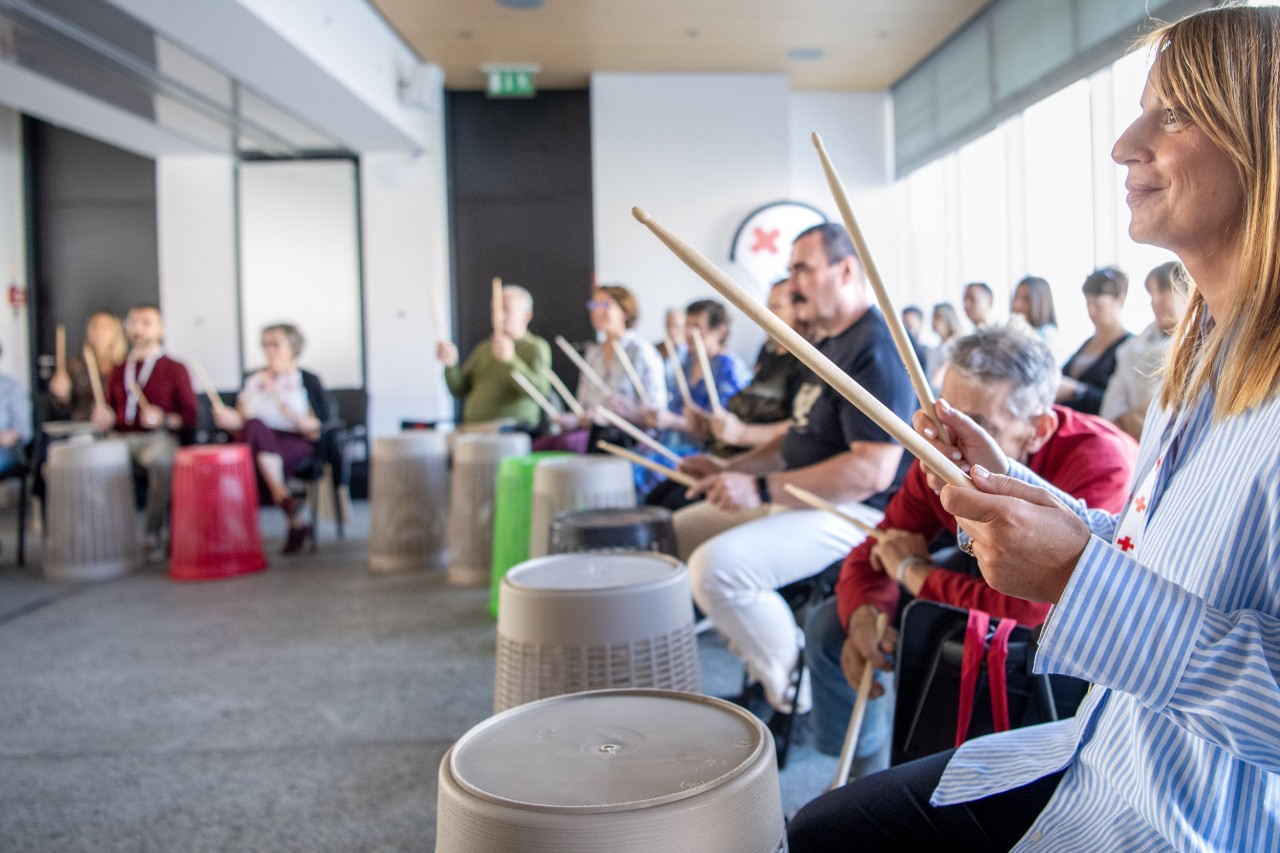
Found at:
<point>522,4</point>
<point>805,54</point>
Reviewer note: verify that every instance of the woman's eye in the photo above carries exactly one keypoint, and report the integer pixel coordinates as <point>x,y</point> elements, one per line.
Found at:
<point>1170,117</point>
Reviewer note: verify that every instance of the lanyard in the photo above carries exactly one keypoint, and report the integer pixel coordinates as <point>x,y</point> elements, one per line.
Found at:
<point>132,378</point>
<point>1141,505</point>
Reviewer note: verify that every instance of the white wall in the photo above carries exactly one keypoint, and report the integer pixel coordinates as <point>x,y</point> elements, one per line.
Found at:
<point>13,243</point>
<point>195,229</point>
<point>406,267</point>
<point>856,131</point>
<point>698,152</point>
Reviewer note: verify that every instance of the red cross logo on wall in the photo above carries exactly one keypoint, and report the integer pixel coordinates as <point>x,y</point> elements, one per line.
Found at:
<point>1126,544</point>
<point>766,241</point>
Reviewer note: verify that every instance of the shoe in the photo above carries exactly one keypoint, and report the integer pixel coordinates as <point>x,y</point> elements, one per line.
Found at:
<point>298,537</point>
<point>154,548</point>
<point>789,730</point>
<point>290,505</point>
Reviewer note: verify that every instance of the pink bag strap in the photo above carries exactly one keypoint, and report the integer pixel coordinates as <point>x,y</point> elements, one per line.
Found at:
<point>975,646</point>
<point>997,656</point>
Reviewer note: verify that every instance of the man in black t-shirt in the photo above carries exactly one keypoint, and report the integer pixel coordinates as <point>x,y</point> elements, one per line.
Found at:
<point>750,537</point>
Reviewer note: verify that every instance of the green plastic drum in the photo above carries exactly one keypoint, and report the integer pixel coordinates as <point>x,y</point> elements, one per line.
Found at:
<point>512,514</point>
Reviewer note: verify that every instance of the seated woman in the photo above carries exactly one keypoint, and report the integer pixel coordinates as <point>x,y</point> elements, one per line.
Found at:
<point>1033,301</point>
<point>1086,373</point>
<point>72,389</point>
<point>279,414</point>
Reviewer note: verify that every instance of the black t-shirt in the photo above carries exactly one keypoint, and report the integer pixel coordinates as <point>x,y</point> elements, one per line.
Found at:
<point>826,423</point>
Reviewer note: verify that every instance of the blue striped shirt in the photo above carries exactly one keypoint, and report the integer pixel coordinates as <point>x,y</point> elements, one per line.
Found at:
<point>1178,743</point>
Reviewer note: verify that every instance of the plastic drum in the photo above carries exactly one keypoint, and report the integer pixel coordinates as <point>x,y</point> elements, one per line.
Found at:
<point>475,482</point>
<point>574,622</point>
<point>409,502</point>
<point>576,482</point>
<point>628,771</point>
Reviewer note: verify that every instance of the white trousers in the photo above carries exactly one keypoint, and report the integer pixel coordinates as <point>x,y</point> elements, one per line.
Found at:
<point>737,561</point>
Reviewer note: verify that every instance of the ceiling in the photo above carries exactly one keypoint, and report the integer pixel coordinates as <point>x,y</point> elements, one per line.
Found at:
<point>865,44</point>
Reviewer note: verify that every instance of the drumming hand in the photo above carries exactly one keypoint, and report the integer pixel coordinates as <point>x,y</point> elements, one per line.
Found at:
<point>60,386</point>
<point>860,648</point>
<point>504,349</point>
<point>228,418</point>
<point>701,465</point>
<point>1027,542</point>
<point>9,437</point>
<point>890,550</point>
<point>970,443</point>
<point>727,428</point>
<point>696,422</point>
<point>729,491</point>
<point>150,417</point>
<point>447,353</point>
<point>103,417</point>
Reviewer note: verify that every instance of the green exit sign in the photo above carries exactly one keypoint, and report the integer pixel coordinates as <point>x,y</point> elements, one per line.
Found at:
<point>511,84</point>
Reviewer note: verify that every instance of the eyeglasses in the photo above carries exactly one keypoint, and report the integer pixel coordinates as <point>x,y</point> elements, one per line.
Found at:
<point>593,304</point>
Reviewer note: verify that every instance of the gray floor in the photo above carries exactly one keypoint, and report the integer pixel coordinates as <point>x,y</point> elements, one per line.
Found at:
<point>304,708</point>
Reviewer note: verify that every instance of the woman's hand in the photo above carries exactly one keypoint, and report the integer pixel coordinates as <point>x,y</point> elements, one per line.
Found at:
<point>728,428</point>
<point>103,417</point>
<point>60,386</point>
<point>1027,542</point>
<point>970,444</point>
<point>701,465</point>
<point>228,419</point>
<point>697,422</point>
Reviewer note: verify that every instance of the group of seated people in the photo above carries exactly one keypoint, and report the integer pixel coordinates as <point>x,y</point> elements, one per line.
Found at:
<point>148,401</point>
<point>1113,373</point>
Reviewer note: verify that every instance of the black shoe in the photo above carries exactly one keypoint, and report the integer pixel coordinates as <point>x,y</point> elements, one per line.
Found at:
<point>789,730</point>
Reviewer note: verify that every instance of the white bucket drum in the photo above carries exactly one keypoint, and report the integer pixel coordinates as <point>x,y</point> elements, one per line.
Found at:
<point>624,771</point>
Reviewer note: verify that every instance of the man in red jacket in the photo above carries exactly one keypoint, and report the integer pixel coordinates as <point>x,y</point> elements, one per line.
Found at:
<point>149,421</point>
<point>1005,378</point>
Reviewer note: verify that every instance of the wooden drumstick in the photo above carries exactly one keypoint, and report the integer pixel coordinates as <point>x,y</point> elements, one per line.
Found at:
<point>629,368</point>
<point>210,390</point>
<point>499,315</point>
<point>534,394</point>
<point>564,392</point>
<point>138,395</point>
<point>708,378</point>
<point>807,353</point>
<point>95,379</point>
<point>859,712</point>
<point>670,473</point>
<point>60,349</point>
<point>899,332</point>
<point>682,382</point>
<point>637,433</point>
<point>806,496</point>
<point>584,368</point>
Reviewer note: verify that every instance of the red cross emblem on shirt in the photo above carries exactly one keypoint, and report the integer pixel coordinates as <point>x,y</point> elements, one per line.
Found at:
<point>1140,504</point>
<point>766,241</point>
<point>1126,544</point>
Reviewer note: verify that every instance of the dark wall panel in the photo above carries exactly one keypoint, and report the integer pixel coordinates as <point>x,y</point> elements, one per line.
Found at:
<point>520,208</point>
<point>95,247</point>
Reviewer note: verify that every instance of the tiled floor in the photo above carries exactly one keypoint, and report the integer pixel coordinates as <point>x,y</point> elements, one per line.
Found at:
<point>304,708</point>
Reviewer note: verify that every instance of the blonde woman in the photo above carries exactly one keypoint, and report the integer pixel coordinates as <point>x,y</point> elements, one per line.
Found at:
<point>72,389</point>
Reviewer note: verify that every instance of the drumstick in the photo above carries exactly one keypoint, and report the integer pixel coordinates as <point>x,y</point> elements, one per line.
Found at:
<point>670,473</point>
<point>630,369</point>
<point>499,315</point>
<point>583,367</point>
<point>60,349</point>
<point>859,711</point>
<point>95,380</point>
<point>210,391</point>
<point>564,392</point>
<point>138,395</point>
<point>930,456</point>
<point>535,395</point>
<point>806,496</point>
<point>636,433</point>
<point>708,379</point>
<point>681,381</point>
<point>905,350</point>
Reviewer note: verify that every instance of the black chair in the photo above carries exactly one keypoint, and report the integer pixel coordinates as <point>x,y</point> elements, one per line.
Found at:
<point>21,473</point>
<point>341,446</point>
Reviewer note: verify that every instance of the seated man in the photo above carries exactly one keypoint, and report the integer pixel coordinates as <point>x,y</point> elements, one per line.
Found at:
<point>15,423</point>
<point>746,540</point>
<point>1005,378</point>
<point>149,423</point>
<point>485,379</point>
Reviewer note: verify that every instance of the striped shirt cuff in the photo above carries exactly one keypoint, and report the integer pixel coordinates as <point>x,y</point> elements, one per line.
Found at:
<point>1115,616</point>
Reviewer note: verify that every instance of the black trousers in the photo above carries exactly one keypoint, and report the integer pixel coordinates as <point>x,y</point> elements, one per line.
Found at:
<point>890,811</point>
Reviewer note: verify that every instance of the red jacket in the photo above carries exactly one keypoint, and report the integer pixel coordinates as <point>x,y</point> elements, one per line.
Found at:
<point>1087,457</point>
<point>168,386</point>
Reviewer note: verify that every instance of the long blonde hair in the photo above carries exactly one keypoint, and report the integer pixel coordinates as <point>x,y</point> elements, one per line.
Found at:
<point>1220,67</point>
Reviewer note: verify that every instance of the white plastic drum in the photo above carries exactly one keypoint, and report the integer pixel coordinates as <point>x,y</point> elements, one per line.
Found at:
<point>594,621</point>
<point>475,482</point>
<point>576,482</point>
<point>409,502</point>
<point>624,771</point>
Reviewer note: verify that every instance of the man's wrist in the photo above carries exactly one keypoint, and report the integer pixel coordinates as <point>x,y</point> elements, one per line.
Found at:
<point>906,563</point>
